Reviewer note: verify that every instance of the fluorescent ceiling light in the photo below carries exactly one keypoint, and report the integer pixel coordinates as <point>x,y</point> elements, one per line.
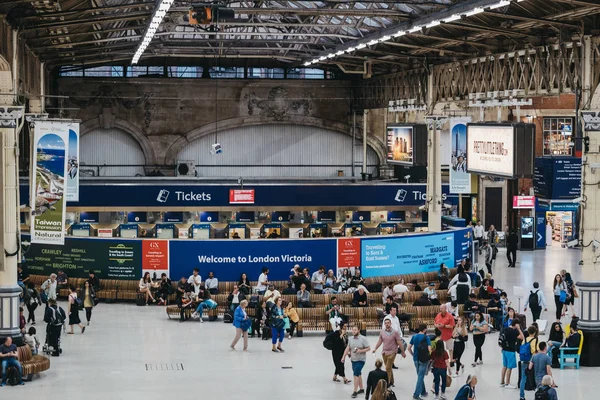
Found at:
<point>432,24</point>
<point>385,38</point>
<point>399,33</point>
<point>306,64</point>
<point>322,58</point>
<point>361,46</point>
<point>372,42</point>
<point>330,55</point>
<point>157,18</point>
<point>503,3</point>
<point>350,49</point>
<point>415,29</point>
<point>339,53</point>
<point>474,11</point>
<point>452,18</point>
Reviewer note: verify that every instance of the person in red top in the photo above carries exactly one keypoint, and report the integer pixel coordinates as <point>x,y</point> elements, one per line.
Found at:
<point>444,321</point>
<point>441,364</point>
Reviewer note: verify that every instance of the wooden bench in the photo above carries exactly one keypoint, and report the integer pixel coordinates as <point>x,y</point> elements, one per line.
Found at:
<point>31,364</point>
<point>174,310</point>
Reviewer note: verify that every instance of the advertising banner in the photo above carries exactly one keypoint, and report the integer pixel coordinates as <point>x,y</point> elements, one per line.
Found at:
<point>540,237</point>
<point>241,196</point>
<point>110,259</point>
<point>490,150</point>
<point>105,232</point>
<point>48,205</point>
<point>524,202</point>
<point>73,163</point>
<point>400,145</point>
<point>460,180</point>
<point>348,253</point>
<point>155,257</point>
<point>228,259</point>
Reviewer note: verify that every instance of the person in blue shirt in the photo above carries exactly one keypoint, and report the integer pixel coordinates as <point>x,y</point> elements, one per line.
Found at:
<point>421,360</point>
<point>467,392</point>
<point>8,356</point>
<point>242,323</point>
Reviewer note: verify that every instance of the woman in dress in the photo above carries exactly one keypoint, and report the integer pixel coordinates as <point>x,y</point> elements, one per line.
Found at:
<point>242,323</point>
<point>339,342</point>
<point>479,327</point>
<point>460,336</point>
<point>277,325</point>
<point>89,300</point>
<point>74,311</point>
<point>244,284</point>
<point>146,286</point>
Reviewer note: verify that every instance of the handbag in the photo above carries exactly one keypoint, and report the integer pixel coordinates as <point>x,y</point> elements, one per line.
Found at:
<point>448,381</point>
<point>575,293</point>
<point>529,379</point>
<point>286,323</point>
<point>44,297</point>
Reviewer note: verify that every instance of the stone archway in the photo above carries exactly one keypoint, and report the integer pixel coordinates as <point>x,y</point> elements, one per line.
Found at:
<point>104,122</point>
<point>171,155</point>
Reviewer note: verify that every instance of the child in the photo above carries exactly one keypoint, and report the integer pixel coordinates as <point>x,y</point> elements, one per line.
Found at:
<point>32,340</point>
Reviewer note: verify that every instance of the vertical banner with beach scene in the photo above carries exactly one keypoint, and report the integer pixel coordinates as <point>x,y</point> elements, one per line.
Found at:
<point>73,163</point>
<point>460,180</point>
<point>49,169</point>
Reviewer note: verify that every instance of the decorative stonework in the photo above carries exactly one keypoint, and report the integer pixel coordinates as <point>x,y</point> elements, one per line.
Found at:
<point>107,96</point>
<point>9,116</point>
<point>591,121</point>
<point>277,106</point>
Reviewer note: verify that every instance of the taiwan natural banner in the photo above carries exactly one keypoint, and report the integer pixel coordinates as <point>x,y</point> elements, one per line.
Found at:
<point>460,180</point>
<point>48,171</point>
<point>110,259</point>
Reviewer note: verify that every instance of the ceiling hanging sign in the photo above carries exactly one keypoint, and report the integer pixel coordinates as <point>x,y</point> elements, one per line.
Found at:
<point>49,169</point>
<point>460,180</point>
<point>73,163</point>
<point>241,196</point>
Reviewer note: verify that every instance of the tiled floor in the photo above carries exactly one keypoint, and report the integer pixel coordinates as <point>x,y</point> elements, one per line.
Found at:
<point>109,360</point>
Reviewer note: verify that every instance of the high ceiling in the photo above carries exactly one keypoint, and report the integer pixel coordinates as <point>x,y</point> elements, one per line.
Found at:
<point>288,33</point>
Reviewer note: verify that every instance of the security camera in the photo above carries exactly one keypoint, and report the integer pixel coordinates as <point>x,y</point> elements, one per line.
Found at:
<point>577,200</point>
<point>572,243</point>
<point>216,149</point>
<point>447,206</point>
<point>423,208</point>
<point>595,245</point>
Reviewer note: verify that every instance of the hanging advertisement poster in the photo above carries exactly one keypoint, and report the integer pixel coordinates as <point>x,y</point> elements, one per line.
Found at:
<point>73,163</point>
<point>49,169</point>
<point>460,180</point>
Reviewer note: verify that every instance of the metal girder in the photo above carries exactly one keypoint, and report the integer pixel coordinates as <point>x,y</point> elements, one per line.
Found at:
<point>375,12</point>
<point>89,49</point>
<point>83,43</point>
<point>422,47</point>
<point>91,10</point>
<point>487,29</point>
<point>377,92</point>
<point>89,21</point>
<point>78,34</point>
<point>453,41</point>
<point>531,19</point>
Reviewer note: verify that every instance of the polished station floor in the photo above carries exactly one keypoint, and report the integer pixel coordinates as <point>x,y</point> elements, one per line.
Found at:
<point>135,353</point>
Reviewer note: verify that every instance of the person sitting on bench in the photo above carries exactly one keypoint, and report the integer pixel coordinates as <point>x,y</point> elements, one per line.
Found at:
<point>8,355</point>
<point>304,297</point>
<point>359,298</point>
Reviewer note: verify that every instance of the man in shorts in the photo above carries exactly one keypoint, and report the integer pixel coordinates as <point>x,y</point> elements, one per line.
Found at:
<point>357,350</point>
<point>512,337</point>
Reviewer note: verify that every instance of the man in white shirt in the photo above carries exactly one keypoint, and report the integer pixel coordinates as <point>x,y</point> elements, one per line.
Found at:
<point>400,289</point>
<point>271,294</point>
<point>49,287</point>
<point>195,280</point>
<point>536,301</point>
<point>318,280</point>
<point>212,283</point>
<point>388,291</point>
<point>394,319</point>
<point>478,233</point>
<point>263,281</point>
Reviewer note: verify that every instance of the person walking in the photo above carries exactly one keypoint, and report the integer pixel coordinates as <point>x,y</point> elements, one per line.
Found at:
<point>536,301</point>
<point>277,325</point>
<point>49,289</point>
<point>479,327</point>
<point>478,232</point>
<point>440,364</point>
<point>512,244</point>
<point>444,321</point>
<point>392,342</point>
<point>571,294</point>
<point>487,256</point>
<point>541,364</point>
<point>512,337</point>
<point>32,300</point>
<point>357,350</point>
<point>382,392</point>
<point>89,300</point>
<point>374,377</point>
<point>422,345</point>
<point>467,391</point>
<point>338,343</point>
<point>242,323</point>
<point>560,295</point>
<point>460,336</point>
<point>527,349</point>
<point>73,311</point>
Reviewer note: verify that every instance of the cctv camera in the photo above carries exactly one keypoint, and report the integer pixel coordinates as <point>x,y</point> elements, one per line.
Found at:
<point>423,208</point>
<point>216,149</point>
<point>447,206</point>
<point>595,245</point>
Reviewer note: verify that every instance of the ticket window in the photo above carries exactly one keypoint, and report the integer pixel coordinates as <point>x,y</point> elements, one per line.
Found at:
<point>164,233</point>
<point>237,233</point>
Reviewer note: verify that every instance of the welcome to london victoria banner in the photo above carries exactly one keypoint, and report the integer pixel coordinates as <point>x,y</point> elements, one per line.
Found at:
<point>48,172</point>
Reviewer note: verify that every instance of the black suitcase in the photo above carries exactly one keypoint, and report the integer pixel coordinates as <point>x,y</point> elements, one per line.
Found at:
<point>266,332</point>
<point>140,301</point>
<point>228,317</point>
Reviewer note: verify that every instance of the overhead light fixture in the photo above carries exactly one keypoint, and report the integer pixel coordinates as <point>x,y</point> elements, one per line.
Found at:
<point>399,33</point>
<point>157,18</point>
<point>415,29</point>
<point>339,53</point>
<point>373,42</point>
<point>432,24</point>
<point>350,49</point>
<point>306,64</point>
<point>361,46</point>
<point>503,3</point>
<point>322,58</point>
<point>452,18</point>
<point>330,55</point>
<point>385,38</point>
<point>474,11</point>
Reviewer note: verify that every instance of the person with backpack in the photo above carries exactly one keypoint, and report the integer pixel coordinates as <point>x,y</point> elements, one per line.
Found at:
<point>8,355</point>
<point>560,295</point>
<point>510,339</point>
<point>546,391</point>
<point>536,301</point>
<point>527,349</point>
<point>75,305</point>
<point>32,300</point>
<point>422,349</point>
<point>467,391</point>
<point>337,341</point>
<point>462,280</point>
<point>55,317</point>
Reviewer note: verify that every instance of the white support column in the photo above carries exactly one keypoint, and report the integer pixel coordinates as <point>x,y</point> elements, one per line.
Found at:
<point>364,160</point>
<point>434,173</point>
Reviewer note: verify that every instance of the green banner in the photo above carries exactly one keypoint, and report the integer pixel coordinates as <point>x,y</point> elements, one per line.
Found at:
<point>110,259</point>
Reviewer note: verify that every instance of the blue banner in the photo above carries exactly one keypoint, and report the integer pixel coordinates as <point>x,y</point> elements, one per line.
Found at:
<point>557,178</point>
<point>326,216</point>
<point>209,216</point>
<point>228,259</point>
<point>361,216</point>
<point>90,216</point>
<point>396,216</point>
<point>540,237</point>
<point>244,216</point>
<point>137,217</point>
<point>173,216</point>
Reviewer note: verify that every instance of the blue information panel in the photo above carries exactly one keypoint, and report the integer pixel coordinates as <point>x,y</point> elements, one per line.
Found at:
<point>228,259</point>
<point>557,177</point>
<point>406,255</point>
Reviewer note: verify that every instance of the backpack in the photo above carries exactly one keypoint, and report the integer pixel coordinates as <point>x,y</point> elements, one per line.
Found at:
<point>228,317</point>
<point>328,341</point>
<point>542,394</point>
<point>391,395</point>
<point>57,317</point>
<point>463,277</point>
<point>534,301</point>
<point>12,376</point>
<point>423,350</point>
<point>525,350</point>
<point>253,303</point>
<point>502,338</point>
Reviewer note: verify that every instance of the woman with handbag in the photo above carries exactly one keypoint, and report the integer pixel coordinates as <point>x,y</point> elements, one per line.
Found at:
<point>277,325</point>
<point>571,294</point>
<point>560,295</point>
<point>89,300</point>
<point>74,311</point>
<point>338,343</point>
<point>242,323</point>
<point>440,364</point>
